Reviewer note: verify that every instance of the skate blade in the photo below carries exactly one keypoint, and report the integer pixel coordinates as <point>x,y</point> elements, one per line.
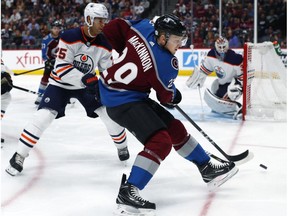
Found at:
<point>11,171</point>
<point>218,181</point>
<point>124,210</point>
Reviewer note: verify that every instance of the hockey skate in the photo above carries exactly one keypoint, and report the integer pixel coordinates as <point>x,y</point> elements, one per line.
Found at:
<point>38,100</point>
<point>238,114</point>
<point>123,154</point>
<point>216,174</point>
<point>131,203</point>
<point>16,164</point>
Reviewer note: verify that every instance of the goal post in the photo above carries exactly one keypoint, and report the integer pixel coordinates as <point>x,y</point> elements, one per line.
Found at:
<point>264,83</point>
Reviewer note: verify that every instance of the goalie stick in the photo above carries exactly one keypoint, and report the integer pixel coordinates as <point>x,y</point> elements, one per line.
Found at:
<point>240,158</point>
<point>199,91</point>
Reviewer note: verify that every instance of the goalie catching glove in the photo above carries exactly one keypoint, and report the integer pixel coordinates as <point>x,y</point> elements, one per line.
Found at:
<point>196,79</point>
<point>177,99</point>
<point>234,89</point>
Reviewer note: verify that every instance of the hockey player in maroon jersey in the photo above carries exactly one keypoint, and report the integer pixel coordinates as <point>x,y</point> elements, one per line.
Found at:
<point>49,49</point>
<point>81,50</point>
<point>147,62</point>
<point>227,88</point>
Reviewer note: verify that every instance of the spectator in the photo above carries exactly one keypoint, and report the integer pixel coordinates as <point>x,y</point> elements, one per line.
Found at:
<point>233,39</point>
<point>34,31</point>
<point>17,39</point>
<point>197,40</point>
<point>138,9</point>
<point>27,39</point>
<point>15,17</point>
<point>34,24</point>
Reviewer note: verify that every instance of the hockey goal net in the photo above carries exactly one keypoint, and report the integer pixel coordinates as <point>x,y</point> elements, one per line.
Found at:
<point>264,83</point>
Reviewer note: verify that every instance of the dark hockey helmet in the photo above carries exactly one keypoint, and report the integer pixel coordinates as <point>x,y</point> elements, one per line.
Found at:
<point>57,23</point>
<point>170,24</point>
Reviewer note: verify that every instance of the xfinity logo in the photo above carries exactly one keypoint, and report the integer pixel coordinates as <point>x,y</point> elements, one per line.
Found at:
<point>190,59</point>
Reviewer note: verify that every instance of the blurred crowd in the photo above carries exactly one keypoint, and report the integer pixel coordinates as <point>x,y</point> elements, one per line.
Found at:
<point>25,22</point>
<point>237,21</point>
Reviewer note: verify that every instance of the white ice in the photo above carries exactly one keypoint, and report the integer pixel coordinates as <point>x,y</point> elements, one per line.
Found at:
<point>74,169</point>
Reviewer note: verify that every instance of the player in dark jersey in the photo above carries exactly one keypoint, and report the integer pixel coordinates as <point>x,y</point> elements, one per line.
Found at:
<point>49,50</point>
<point>147,62</point>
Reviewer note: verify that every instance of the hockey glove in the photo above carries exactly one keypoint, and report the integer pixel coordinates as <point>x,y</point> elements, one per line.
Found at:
<point>6,82</point>
<point>234,90</point>
<point>49,64</point>
<point>196,79</point>
<point>91,82</point>
<point>177,99</point>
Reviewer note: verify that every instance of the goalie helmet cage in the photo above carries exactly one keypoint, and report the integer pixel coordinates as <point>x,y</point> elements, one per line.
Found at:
<point>264,83</point>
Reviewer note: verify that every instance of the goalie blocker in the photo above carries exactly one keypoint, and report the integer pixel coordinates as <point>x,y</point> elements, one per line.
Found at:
<point>220,105</point>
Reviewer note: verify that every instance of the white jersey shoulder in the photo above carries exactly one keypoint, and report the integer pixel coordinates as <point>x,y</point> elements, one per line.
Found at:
<point>78,55</point>
<point>225,70</point>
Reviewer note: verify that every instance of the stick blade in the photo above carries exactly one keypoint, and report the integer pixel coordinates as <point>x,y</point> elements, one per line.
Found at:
<point>249,157</point>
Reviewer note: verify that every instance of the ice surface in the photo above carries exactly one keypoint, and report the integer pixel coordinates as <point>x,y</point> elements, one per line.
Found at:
<point>74,169</point>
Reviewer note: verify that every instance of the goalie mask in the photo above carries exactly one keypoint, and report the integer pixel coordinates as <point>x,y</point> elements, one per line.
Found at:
<point>221,46</point>
<point>95,10</point>
<point>170,25</point>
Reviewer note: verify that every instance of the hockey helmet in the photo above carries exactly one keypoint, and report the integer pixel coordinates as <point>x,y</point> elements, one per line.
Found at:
<point>170,24</point>
<point>221,45</point>
<point>95,10</point>
<point>57,23</point>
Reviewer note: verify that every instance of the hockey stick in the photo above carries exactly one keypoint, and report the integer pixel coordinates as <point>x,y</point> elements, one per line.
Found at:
<point>233,158</point>
<point>29,71</point>
<point>26,90</point>
<point>202,108</point>
<point>198,86</point>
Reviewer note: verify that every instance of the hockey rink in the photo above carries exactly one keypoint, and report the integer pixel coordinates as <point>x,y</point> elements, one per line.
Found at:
<point>74,169</point>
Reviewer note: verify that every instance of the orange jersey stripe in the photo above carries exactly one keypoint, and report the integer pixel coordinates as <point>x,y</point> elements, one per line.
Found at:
<point>54,77</point>
<point>63,68</point>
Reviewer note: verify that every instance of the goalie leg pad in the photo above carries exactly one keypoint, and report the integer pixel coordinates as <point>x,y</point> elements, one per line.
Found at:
<point>219,105</point>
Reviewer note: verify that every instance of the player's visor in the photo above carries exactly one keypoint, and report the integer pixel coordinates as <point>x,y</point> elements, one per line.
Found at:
<point>178,40</point>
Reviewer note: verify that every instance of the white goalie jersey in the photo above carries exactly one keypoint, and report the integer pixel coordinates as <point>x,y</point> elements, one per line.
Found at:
<point>225,70</point>
<point>77,56</point>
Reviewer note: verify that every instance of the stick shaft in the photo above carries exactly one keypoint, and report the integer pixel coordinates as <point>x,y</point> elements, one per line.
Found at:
<point>233,158</point>
<point>29,71</point>
<point>26,90</point>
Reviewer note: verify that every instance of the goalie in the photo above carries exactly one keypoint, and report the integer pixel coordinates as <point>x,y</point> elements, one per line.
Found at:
<point>227,88</point>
